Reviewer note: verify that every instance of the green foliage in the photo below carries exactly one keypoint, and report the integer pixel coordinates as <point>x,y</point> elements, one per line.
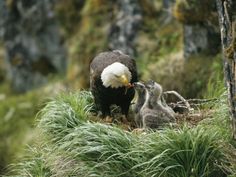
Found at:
<point>184,152</point>
<point>64,113</point>
<point>17,114</point>
<point>33,164</point>
<point>221,117</point>
<point>194,11</point>
<point>2,66</point>
<point>155,42</point>
<point>77,146</point>
<point>215,86</point>
<point>101,148</point>
<point>68,13</point>
<point>92,27</point>
<point>206,72</point>
<point>200,76</point>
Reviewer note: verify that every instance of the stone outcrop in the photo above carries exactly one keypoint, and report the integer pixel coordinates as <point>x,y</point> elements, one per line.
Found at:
<point>125,27</point>
<point>32,41</point>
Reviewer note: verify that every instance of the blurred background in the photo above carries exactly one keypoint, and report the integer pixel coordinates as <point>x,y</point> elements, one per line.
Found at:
<point>46,47</point>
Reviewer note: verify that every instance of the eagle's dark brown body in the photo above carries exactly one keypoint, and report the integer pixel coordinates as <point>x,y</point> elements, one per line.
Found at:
<point>105,97</point>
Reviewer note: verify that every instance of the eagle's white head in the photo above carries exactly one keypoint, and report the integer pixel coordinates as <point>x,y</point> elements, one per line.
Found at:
<point>116,75</point>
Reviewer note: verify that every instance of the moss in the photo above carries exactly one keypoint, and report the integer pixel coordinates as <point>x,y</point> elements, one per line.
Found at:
<point>150,8</point>
<point>230,50</point>
<point>84,22</point>
<point>160,58</point>
<point>189,78</point>
<point>69,14</point>
<point>156,42</point>
<point>9,4</point>
<point>17,114</point>
<point>193,11</point>
<point>90,39</point>
<point>2,65</point>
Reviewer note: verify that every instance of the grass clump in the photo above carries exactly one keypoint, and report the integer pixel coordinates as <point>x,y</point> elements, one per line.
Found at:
<point>102,149</point>
<point>64,113</point>
<point>98,147</point>
<point>79,147</point>
<point>220,120</point>
<point>17,113</point>
<point>33,164</point>
<point>184,152</point>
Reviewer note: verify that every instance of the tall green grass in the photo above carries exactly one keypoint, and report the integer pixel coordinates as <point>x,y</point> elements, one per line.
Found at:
<point>17,115</point>
<point>62,114</point>
<point>185,152</point>
<point>215,85</point>
<point>77,146</point>
<point>102,148</point>
<point>33,164</point>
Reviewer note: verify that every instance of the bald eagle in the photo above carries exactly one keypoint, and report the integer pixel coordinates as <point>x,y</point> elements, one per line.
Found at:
<point>111,74</point>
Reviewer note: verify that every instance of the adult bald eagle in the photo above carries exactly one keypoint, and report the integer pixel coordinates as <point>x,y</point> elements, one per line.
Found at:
<point>111,74</point>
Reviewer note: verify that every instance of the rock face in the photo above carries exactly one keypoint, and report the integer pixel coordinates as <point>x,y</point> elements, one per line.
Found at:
<point>200,38</point>
<point>167,4</point>
<point>125,27</point>
<point>201,32</point>
<point>33,44</point>
<point>2,12</point>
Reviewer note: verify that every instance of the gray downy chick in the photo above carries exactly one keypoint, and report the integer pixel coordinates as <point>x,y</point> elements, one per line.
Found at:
<point>154,114</point>
<point>140,91</point>
<point>156,97</point>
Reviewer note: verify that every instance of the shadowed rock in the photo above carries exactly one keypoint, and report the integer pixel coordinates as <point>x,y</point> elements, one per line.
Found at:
<point>125,27</point>
<point>33,44</point>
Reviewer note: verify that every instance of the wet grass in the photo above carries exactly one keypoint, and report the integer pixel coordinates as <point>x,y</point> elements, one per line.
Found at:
<point>77,146</point>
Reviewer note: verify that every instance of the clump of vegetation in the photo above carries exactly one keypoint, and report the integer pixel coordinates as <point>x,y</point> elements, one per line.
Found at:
<point>154,44</point>
<point>189,78</point>
<point>193,11</point>
<point>92,27</point>
<point>2,66</point>
<point>185,152</point>
<point>69,13</point>
<point>65,113</point>
<point>17,120</point>
<point>33,164</point>
<point>78,146</point>
<point>17,114</point>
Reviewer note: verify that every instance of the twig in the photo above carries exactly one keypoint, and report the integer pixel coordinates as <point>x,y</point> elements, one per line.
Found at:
<point>175,104</point>
<point>181,98</point>
<point>200,100</point>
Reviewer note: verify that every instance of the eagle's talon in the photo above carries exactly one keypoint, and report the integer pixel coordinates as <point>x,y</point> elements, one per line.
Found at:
<point>108,119</point>
<point>138,130</point>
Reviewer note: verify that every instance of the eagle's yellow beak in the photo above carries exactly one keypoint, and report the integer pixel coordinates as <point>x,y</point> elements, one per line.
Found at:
<point>124,80</point>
